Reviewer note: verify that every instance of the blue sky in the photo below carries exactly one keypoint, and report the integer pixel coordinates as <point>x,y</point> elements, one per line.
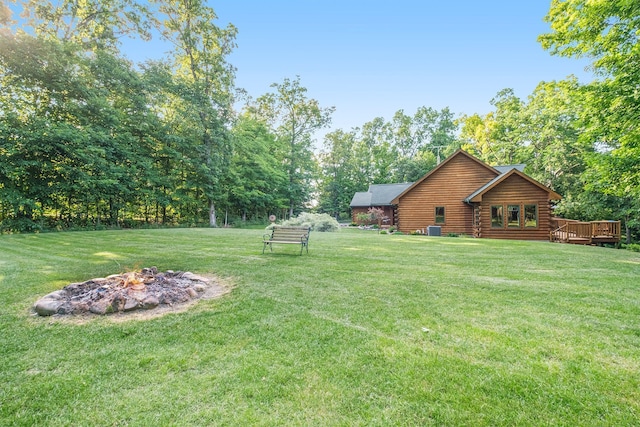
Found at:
<point>372,58</point>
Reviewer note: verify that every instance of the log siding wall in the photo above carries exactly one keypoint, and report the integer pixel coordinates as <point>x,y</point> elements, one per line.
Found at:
<point>516,191</point>
<point>447,187</point>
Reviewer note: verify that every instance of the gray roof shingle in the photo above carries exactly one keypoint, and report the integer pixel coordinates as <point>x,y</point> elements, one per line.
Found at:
<point>379,194</point>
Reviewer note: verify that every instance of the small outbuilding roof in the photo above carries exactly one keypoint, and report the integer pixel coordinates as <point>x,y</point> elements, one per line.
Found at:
<point>379,195</point>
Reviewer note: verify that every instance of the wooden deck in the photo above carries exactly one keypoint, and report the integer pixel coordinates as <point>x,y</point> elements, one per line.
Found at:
<point>585,233</point>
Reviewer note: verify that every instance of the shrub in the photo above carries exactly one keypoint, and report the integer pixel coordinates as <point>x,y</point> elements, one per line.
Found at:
<point>19,225</point>
<point>372,216</point>
<point>363,217</point>
<point>317,222</point>
<point>634,247</point>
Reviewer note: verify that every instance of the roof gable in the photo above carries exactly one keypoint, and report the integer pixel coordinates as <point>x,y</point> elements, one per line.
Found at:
<point>444,164</point>
<point>476,196</point>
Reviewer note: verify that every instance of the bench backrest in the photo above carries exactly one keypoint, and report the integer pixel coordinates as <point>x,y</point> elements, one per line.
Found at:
<point>290,234</point>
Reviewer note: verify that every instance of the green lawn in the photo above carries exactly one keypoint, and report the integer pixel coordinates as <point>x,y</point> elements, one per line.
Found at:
<point>366,329</point>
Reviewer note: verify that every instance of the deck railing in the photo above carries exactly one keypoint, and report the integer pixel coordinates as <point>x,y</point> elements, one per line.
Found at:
<point>559,234</point>
<point>580,230</point>
<point>572,231</point>
<point>606,228</point>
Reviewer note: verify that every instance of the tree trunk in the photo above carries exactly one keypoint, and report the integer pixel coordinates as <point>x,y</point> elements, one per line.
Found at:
<point>627,232</point>
<point>212,214</point>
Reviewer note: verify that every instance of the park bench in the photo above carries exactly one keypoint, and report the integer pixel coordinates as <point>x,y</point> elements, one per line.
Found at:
<point>287,235</point>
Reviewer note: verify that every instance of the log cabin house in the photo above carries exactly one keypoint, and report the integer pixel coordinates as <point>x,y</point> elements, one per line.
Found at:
<point>464,195</point>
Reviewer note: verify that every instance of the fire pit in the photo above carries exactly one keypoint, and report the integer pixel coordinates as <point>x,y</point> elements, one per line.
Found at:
<point>123,293</point>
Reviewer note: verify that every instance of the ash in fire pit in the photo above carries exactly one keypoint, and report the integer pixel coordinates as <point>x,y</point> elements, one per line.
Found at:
<point>147,289</point>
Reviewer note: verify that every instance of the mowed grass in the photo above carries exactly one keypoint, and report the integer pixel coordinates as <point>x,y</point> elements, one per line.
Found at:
<point>366,329</point>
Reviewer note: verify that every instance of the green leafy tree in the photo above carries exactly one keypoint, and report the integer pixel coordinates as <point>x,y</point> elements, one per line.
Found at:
<point>79,130</point>
<point>91,24</point>
<point>90,138</point>
<point>375,153</point>
<point>339,173</point>
<point>475,134</point>
<point>412,169</point>
<point>506,138</point>
<point>607,33</point>
<point>257,181</point>
<point>5,17</point>
<point>428,134</point>
<point>498,137</point>
<point>295,118</point>
<point>205,89</point>
<point>553,150</point>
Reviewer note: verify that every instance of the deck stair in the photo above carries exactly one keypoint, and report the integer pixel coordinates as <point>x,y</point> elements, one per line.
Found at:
<point>584,233</point>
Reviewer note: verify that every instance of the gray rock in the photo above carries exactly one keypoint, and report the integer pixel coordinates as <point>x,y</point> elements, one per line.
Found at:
<point>65,308</point>
<point>79,307</point>
<point>47,306</point>
<point>150,270</point>
<point>150,302</point>
<point>131,304</point>
<point>58,295</point>
<point>188,275</point>
<point>100,306</point>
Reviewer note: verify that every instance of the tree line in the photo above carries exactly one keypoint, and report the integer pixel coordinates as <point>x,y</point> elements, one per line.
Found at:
<point>89,139</point>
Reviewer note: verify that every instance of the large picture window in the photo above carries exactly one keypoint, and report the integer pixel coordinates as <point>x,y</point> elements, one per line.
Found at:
<point>513,216</point>
<point>530,216</point>
<point>439,214</point>
<point>497,217</point>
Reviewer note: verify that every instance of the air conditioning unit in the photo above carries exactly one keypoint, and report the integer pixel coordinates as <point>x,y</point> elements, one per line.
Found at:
<point>434,230</point>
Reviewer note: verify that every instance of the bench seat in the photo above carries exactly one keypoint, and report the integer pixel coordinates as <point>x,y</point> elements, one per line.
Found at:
<point>287,235</point>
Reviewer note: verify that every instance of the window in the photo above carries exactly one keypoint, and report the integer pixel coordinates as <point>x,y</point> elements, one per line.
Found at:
<point>530,216</point>
<point>513,216</point>
<point>497,220</point>
<point>439,214</point>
